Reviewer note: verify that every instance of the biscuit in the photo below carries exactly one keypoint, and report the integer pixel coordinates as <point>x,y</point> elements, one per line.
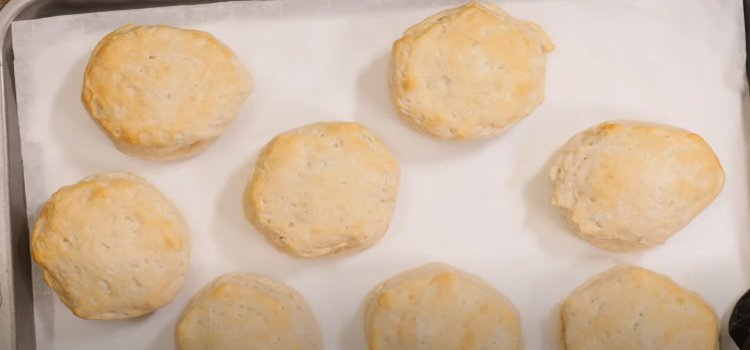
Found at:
<point>112,247</point>
<point>325,189</point>
<point>626,186</point>
<point>630,308</point>
<point>438,307</point>
<point>467,73</point>
<point>164,93</point>
<point>239,311</point>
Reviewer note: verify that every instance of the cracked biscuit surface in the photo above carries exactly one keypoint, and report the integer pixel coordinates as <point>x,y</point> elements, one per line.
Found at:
<point>467,73</point>
<point>112,247</point>
<point>627,186</point>
<point>325,189</point>
<point>163,93</point>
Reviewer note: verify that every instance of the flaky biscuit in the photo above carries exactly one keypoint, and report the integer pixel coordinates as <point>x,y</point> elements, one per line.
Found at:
<point>163,93</point>
<point>626,186</point>
<point>438,307</point>
<point>112,247</point>
<point>325,189</point>
<point>240,311</point>
<point>469,72</point>
<point>630,308</point>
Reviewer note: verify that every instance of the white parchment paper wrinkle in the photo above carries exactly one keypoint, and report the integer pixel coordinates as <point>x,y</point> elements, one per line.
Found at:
<point>481,206</point>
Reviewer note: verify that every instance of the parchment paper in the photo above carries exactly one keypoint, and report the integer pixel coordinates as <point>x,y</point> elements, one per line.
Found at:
<point>480,206</point>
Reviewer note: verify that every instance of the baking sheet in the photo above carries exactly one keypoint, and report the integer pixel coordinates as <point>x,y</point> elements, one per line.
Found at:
<point>480,206</point>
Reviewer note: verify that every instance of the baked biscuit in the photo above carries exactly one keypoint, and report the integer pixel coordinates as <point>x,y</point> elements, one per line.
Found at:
<point>630,308</point>
<point>626,186</point>
<point>325,189</point>
<point>163,93</point>
<point>469,72</point>
<point>112,247</point>
<point>239,311</point>
<point>438,307</point>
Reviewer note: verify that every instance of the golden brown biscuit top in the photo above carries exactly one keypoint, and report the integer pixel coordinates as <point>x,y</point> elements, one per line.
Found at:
<point>160,85</point>
<point>112,246</point>
<point>469,72</point>
<point>237,311</point>
<point>647,179</point>
<point>441,310</point>
<point>630,308</point>
<point>323,188</point>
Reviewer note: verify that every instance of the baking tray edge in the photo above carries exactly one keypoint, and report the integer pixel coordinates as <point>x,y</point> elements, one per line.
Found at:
<point>16,293</point>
